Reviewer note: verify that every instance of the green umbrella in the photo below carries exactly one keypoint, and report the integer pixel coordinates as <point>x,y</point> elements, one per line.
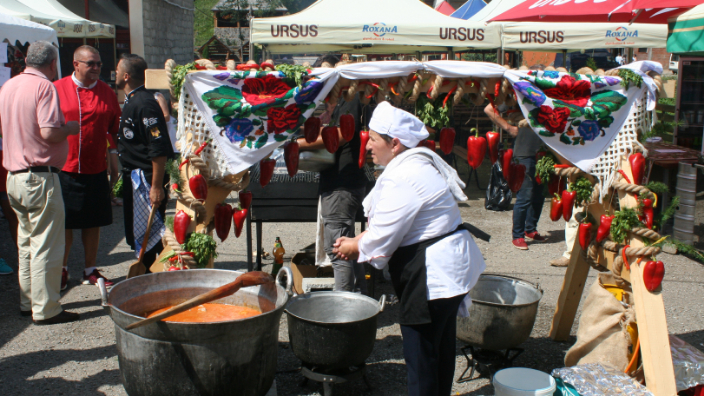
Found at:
<point>686,32</point>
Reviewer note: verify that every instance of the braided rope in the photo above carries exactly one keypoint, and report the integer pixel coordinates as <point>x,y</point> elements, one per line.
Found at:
<point>631,188</point>
<point>335,93</point>
<point>437,85</point>
<point>645,251</point>
<point>591,256</point>
<point>484,88</point>
<point>366,96</point>
<point>239,186</point>
<point>459,91</point>
<point>401,89</point>
<point>504,90</point>
<point>617,267</point>
<point>416,90</point>
<point>595,195</point>
<point>168,67</point>
<point>192,203</point>
<point>351,91</point>
<point>646,233</point>
<point>478,100</point>
<point>230,65</point>
<point>567,172</point>
<point>611,246</point>
<point>171,241</point>
<point>383,90</point>
<point>199,164</point>
<point>209,65</point>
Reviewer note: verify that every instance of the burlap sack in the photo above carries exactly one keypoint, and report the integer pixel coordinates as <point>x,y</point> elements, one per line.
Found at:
<point>602,336</point>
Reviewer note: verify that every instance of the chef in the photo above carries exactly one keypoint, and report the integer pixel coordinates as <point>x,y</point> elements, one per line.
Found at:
<point>415,228</point>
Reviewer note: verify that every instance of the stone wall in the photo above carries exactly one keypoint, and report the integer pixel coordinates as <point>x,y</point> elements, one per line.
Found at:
<point>168,31</point>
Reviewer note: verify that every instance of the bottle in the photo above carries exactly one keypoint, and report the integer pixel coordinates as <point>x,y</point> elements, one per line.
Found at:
<point>278,256</point>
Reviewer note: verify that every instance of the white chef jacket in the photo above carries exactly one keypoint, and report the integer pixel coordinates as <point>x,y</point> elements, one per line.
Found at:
<point>413,203</point>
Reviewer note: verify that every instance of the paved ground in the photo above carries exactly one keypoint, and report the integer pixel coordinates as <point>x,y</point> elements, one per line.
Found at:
<point>80,358</point>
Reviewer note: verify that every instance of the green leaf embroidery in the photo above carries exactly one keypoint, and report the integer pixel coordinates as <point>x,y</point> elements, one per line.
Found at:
<point>606,122</point>
<point>280,138</point>
<point>256,121</point>
<point>221,120</point>
<point>546,133</point>
<point>224,99</point>
<point>608,101</point>
<point>261,141</point>
<point>575,111</point>
<point>577,122</point>
<point>575,140</point>
<point>565,139</point>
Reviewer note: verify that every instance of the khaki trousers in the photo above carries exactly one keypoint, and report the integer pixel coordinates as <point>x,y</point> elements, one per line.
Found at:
<point>37,200</point>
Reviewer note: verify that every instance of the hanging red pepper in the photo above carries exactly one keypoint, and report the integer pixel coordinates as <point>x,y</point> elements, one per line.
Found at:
<point>648,213</point>
<point>518,174</point>
<point>497,88</point>
<point>291,157</point>
<point>266,171</point>
<point>492,140</point>
<point>198,186</point>
<point>364,138</point>
<point>653,273</point>
<point>538,179</point>
<point>181,222</point>
<point>604,229</point>
<point>238,216</point>
<point>347,126</point>
<point>447,140</point>
<point>506,161</point>
<point>197,152</point>
<point>223,222</point>
<point>540,154</point>
<point>637,162</point>
<point>476,149</point>
<point>556,208</point>
<point>585,235</point>
<point>568,198</point>
<point>430,144</point>
<point>331,138</point>
<point>245,199</point>
<point>311,129</point>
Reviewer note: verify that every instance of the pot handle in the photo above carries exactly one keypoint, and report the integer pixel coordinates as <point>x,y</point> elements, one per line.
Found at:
<point>103,292</point>
<point>382,302</point>
<point>289,279</point>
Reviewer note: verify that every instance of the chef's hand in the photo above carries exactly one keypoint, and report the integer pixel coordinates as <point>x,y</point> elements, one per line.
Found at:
<point>346,248</point>
<point>156,195</point>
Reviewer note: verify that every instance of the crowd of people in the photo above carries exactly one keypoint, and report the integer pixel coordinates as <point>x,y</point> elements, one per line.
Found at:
<point>61,143</point>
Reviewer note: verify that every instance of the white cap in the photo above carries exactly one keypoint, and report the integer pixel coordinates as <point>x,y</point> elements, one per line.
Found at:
<point>407,128</point>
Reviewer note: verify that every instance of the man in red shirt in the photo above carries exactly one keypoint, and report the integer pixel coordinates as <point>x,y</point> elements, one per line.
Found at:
<point>84,178</point>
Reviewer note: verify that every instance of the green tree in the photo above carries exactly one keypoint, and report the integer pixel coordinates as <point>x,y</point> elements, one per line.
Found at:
<point>203,21</point>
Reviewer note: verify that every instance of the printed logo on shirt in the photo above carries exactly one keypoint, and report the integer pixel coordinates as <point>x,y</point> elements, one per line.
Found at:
<point>149,122</point>
<point>155,132</point>
<point>128,133</point>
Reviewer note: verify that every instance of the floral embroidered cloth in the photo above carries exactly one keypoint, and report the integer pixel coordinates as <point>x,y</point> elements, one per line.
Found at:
<point>253,112</point>
<point>576,115</point>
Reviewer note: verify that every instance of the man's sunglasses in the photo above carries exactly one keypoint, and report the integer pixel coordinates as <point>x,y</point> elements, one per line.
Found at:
<point>92,63</point>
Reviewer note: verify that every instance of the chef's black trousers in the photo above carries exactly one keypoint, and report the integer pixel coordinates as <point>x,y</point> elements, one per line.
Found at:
<point>429,349</point>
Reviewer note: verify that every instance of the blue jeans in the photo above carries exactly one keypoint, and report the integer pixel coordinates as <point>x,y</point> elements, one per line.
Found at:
<point>529,201</point>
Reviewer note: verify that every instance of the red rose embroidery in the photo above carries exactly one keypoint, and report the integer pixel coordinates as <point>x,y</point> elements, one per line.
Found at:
<point>263,90</point>
<point>571,91</point>
<point>554,120</point>
<point>281,119</point>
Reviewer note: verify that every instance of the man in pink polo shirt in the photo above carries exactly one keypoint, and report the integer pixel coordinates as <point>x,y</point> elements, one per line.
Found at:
<point>35,148</point>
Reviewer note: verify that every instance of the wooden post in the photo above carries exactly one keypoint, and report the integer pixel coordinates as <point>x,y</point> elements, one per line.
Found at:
<point>570,295</point>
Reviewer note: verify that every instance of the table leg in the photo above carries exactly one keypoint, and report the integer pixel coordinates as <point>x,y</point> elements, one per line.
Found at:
<point>250,263</point>
<point>259,245</point>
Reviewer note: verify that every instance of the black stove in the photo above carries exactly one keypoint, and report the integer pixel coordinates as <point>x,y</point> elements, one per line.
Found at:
<point>331,377</point>
<point>486,362</point>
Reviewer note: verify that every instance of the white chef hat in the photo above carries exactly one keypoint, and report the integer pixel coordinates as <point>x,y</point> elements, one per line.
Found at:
<point>407,128</point>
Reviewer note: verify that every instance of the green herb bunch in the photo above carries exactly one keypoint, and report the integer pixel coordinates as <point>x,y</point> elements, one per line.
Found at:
<point>171,169</point>
<point>169,222</point>
<point>545,168</point>
<point>432,112</point>
<point>629,77</point>
<point>584,189</point>
<point>293,72</point>
<point>202,246</point>
<point>178,74</point>
<point>118,188</point>
<point>624,221</point>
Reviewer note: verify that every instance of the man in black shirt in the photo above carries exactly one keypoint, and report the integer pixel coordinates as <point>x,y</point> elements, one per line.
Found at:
<point>143,144</point>
<point>342,189</point>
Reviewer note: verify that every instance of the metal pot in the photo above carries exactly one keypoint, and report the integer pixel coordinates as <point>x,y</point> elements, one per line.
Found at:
<point>502,314</point>
<point>236,357</point>
<point>333,329</point>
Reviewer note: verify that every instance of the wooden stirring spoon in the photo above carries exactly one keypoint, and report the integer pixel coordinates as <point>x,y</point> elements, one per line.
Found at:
<point>253,278</point>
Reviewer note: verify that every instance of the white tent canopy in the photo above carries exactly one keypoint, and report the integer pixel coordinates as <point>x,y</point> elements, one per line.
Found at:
<point>56,16</point>
<point>371,26</point>
<point>15,29</point>
<point>546,36</point>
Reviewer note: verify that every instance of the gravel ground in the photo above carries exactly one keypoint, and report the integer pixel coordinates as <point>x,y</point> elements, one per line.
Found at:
<point>80,358</point>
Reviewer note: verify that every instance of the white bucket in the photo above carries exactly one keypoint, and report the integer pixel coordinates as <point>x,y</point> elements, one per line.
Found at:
<point>521,381</point>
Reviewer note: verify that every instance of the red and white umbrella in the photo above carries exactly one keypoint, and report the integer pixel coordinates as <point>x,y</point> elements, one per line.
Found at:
<point>619,11</point>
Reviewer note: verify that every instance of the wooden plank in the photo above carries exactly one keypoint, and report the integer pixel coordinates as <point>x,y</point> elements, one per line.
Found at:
<point>156,79</point>
<point>652,321</point>
<point>570,295</point>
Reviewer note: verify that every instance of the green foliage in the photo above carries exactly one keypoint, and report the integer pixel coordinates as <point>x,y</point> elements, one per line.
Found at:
<point>178,74</point>
<point>667,214</point>
<point>295,73</point>
<point>477,57</point>
<point>591,63</point>
<point>624,221</point>
<point>433,113</point>
<point>171,169</point>
<point>683,248</point>
<point>629,77</point>
<point>203,20</point>
<point>544,168</point>
<point>657,187</point>
<point>169,222</point>
<point>202,246</point>
<point>584,189</point>
<point>118,188</point>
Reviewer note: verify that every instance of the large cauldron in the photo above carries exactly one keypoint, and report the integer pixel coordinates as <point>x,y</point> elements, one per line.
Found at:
<point>168,359</point>
<point>502,314</point>
<point>333,330</point>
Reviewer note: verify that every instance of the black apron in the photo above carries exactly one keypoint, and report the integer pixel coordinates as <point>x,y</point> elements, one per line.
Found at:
<point>409,278</point>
